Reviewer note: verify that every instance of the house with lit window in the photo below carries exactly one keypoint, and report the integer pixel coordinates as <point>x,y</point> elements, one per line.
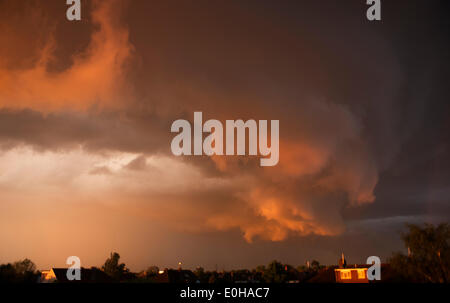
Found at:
<point>345,274</point>
<point>351,275</point>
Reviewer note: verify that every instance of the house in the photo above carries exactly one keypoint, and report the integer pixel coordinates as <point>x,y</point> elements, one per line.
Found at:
<point>343,274</point>
<point>351,275</point>
<point>92,275</point>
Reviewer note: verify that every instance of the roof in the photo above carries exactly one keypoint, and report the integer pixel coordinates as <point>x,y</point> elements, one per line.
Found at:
<point>324,276</point>
<point>91,275</point>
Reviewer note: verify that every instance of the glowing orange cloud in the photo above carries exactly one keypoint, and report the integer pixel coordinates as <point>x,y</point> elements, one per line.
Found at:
<point>96,76</point>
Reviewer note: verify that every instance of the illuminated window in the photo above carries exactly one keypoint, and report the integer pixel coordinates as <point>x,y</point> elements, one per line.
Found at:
<point>361,273</point>
<point>346,274</point>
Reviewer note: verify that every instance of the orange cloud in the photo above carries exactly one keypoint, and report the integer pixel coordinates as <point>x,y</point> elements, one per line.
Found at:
<point>275,213</point>
<point>96,77</point>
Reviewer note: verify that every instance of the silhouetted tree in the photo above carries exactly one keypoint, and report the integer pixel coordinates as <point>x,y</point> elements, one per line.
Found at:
<point>21,271</point>
<point>275,273</point>
<point>428,259</point>
<point>24,266</point>
<point>152,271</point>
<point>315,265</point>
<point>114,268</point>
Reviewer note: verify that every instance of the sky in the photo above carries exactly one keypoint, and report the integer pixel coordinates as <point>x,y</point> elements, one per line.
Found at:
<point>86,109</point>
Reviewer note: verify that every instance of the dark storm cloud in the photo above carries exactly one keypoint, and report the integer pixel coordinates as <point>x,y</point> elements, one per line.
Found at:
<point>92,131</point>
